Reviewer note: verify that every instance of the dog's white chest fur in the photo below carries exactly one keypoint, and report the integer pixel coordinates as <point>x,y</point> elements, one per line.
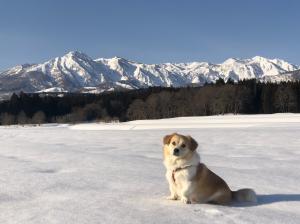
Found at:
<point>180,177</point>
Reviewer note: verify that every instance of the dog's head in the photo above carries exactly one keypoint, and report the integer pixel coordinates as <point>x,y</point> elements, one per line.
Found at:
<point>179,145</point>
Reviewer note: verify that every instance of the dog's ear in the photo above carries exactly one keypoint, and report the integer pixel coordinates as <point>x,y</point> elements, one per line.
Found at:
<point>193,143</point>
<point>167,139</point>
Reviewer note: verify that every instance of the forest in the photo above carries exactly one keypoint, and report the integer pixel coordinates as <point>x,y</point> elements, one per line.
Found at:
<point>244,97</point>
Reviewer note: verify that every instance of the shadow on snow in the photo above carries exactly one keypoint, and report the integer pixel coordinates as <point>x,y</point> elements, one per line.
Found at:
<point>264,199</point>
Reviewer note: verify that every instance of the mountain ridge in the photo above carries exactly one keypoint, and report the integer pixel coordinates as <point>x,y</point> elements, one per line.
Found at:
<point>77,72</point>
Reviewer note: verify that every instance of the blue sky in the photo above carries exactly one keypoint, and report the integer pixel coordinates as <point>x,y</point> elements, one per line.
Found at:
<point>149,31</point>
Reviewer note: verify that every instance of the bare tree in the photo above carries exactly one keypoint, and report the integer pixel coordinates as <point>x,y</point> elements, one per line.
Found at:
<point>39,118</point>
<point>137,110</point>
<point>285,99</point>
<point>7,119</point>
<point>22,118</point>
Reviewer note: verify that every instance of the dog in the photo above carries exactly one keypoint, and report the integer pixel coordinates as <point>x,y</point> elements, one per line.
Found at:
<point>191,181</point>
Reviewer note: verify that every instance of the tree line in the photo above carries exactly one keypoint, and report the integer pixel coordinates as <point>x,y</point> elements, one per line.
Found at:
<point>244,97</point>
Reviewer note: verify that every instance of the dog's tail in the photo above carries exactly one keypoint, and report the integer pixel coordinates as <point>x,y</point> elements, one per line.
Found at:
<point>244,195</point>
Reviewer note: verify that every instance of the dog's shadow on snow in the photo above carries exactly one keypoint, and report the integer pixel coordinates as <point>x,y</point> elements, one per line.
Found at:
<point>264,199</point>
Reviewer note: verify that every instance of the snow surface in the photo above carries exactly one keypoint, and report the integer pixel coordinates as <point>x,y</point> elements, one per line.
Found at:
<point>53,89</point>
<point>69,174</point>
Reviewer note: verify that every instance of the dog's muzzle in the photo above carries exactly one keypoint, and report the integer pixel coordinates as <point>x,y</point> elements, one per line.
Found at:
<point>176,152</point>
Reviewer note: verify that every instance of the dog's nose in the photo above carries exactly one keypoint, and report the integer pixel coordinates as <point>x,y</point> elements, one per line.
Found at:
<point>176,151</point>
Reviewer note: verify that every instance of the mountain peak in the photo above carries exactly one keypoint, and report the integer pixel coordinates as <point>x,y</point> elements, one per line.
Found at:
<point>260,58</point>
<point>74,53</point>
<point>77,54</point>
<point>231,60</point>
<point>115,59</point>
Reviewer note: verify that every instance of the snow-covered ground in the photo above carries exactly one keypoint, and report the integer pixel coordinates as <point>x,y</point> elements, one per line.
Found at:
<point>113,173</point>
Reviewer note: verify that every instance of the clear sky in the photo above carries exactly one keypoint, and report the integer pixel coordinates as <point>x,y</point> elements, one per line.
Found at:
<point>149,31</point>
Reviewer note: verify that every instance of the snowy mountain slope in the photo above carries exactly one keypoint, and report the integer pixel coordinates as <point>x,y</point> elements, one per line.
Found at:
<point>285,76</point>
<point>117,176</point>
<point>76,71</point>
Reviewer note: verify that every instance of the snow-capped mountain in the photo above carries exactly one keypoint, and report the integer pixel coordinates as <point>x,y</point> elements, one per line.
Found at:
<point>77,72</point>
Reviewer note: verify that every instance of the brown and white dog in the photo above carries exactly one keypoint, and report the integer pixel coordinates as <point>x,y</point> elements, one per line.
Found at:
<point>190,180</point>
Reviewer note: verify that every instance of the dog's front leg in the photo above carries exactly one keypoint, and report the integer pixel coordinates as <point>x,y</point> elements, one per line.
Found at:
<point>173,195</point>
<point>186,192</point>
<point>172,188</point>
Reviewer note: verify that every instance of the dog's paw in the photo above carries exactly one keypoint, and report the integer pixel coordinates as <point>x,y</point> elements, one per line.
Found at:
<point>172,197</point>
<point>185,200</point>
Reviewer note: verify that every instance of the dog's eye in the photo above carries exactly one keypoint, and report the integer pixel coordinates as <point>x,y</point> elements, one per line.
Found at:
<point>183,145</point>
<point>173,143</point>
